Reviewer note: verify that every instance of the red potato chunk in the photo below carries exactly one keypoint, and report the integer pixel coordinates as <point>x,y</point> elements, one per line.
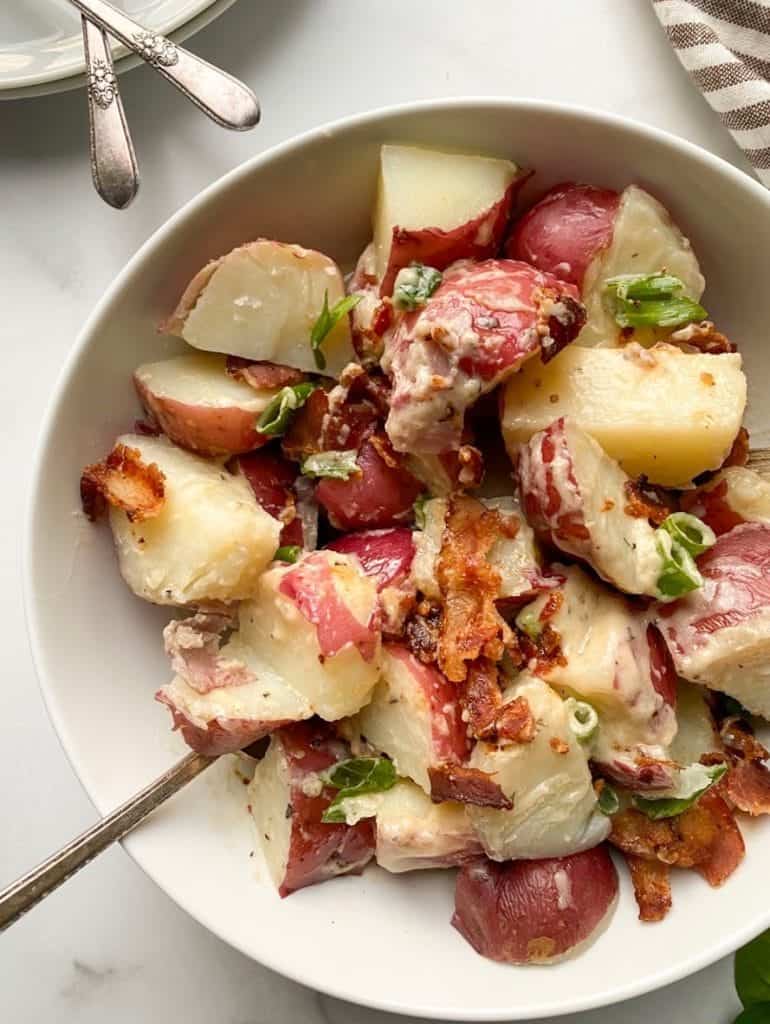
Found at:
<point>385,555</point>
<point>208,542</point>
<point>479,326</point>
<point>260,302</point>
<point>612,656</point>
<point>719,635</point>
<point>200,406</point>
<point>272,479</point>
<point>535,911</point>
<point>565,230</point>
<point>579,500</point>
<point>414,717</point>
<point>382,494</point>
<point>736,495</point>
<point>435,208</point>
<point>316,624</point>
<point>414,834</point>
<point>288,798</point>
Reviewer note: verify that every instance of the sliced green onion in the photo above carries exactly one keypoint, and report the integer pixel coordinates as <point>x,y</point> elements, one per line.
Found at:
<point>419,510</point>
<point>337,465</point>
<point>528,621</point>
<point>275,420</point>
<point>651,300</point>
<point>327,320</point>
<point>353,778</point>
<point>414,285</point>
<point>583,719</point>
<point>288,553</point>
<point>608,801</point>
<point>679,573</point>
<point>689,532</point>
<point>692,783</point>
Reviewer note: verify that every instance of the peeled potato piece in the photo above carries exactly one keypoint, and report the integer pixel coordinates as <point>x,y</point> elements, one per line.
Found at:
<point>200,407</point>
<point>435,208</point>
<point>661,412</point>
<point>210,540</point>
<point>315,624</point>
<point>260,301</point>
<point>554,803</point>
<point>535,911</point>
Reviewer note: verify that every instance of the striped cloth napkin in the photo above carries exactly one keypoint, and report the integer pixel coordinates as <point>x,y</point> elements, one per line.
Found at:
<point>725,45</point>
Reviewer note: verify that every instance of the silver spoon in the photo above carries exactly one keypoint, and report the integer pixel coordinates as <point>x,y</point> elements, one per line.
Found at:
<point>113,161</point>
<point>23,894</point>
<point>226,100</point>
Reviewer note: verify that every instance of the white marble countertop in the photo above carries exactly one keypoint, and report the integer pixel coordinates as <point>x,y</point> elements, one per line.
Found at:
<point>109,945</point>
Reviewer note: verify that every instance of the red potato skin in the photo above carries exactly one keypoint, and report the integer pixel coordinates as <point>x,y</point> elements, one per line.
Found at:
<point>565,230</point>
<point>318,851</point>
<point>271,478</point>
<point>385,555</point>
<point>448,731</point>
<point>200,429</point>
<point>222,735</point>
<point>382,495</point>
<point>479,239</point>
<point>515,912</point>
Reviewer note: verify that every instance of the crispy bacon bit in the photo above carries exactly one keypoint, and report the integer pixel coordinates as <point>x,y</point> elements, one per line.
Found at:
<point>303,437</point>
<point>471,625</point>
<point>516,722</point>
<point>467,786</point>
<point>480,698</point>
<point>652,887</point>
<point>739,453</point>
<point>262,375</point>
<point>552,606</point>
<point>645,501</point>
<point>545,650</point>
<point>705,837</point>
<point>747,783</point>
<point>422,632</point>
<point>703,337</point>
<point>125,482</point>
<point>558,745</point>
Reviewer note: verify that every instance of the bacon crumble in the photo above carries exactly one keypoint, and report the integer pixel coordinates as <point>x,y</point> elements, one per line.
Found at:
<point>125,482</point>
<point>467,786</point>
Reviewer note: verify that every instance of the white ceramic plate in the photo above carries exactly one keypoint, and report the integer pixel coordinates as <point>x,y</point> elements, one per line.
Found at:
<point>41,47</point>
<point>379,940</point>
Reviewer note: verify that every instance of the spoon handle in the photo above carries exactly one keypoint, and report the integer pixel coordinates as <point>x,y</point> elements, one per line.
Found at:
<point>23,894</point>
<point>226,100</point>
<point>113,161</point>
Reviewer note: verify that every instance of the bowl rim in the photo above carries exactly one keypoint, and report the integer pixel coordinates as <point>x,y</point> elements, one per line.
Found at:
<point>719,947</point>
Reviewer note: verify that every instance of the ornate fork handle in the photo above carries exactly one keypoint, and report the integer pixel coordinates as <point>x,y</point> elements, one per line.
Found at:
<point>226,100</point>
<point>113,161</point>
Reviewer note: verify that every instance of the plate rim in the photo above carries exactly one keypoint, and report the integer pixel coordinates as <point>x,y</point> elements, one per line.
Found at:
<point>717,948</point>
<point>51,83</point>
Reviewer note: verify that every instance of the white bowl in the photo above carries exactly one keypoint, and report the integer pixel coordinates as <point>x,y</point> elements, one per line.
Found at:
<point>379,940</point>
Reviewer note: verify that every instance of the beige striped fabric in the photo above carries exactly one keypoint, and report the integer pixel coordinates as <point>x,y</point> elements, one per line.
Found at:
<point>725,46</point>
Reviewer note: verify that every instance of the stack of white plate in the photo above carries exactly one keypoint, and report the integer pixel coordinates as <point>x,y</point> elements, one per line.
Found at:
<point>41,46</point>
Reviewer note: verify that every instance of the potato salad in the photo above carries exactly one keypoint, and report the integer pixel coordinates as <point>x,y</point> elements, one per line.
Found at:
<point>465,535</point>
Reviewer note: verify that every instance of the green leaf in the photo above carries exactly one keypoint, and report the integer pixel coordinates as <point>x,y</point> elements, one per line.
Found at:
<point>288,553</point>
<point>275,420</point>
<point>608,802</point>
<point>354,777</point>
<point>752,973</point>
<point>758,1013</point>
<point>419,510</point>
<point>583,719</point>
<point>327,320</point>
<point>337,465</point>
<point>693,783</point>
<point>414,285</point>
<point>679,574</point>
<point>651,300</point>
<point>689,532</point>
